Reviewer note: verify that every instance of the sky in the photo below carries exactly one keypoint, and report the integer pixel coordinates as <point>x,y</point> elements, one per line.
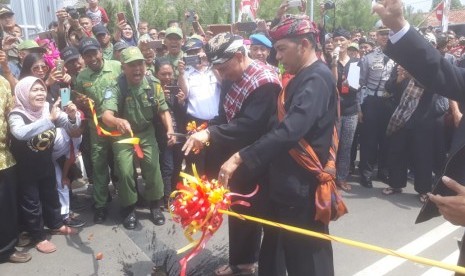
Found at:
<point>424,5</point>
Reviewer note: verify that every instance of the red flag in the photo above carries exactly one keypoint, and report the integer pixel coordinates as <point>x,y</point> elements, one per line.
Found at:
<point>249,7</point>
<point>440,11</point>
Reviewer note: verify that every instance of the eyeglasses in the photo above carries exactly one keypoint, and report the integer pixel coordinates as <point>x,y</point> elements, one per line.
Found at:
<point>152,33</point>
<point>42,67</point>
<point>223,66</point>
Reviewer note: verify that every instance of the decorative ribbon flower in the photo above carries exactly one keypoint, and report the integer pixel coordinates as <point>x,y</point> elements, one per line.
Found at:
<point>196,205</point>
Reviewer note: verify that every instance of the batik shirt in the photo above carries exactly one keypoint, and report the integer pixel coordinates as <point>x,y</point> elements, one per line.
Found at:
<point>6,103</point>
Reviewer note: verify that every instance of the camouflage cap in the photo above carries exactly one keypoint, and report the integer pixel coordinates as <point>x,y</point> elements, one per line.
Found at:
<point>30,44</point>
<point>131,54</point>
<point>174,30</point>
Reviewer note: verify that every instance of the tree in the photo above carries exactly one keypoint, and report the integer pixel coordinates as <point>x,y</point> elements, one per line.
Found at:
<point>414,18</point>
<point>354,14</point>
<point>454,4</point>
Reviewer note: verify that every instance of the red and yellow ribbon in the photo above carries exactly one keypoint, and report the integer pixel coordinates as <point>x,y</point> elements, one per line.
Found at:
<point>192,128</point>
<point>196,205</point>
<point>102,132</point>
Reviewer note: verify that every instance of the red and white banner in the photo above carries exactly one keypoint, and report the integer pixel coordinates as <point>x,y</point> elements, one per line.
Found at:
<point>248,9</point>
<point>440,11</point>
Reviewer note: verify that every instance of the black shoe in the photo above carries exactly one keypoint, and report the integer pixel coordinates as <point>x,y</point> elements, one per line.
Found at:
<point>157,216</point>
<point>73,222</point>
<point>130,221</point>
<point>100,215</point>
<point>366,183</point>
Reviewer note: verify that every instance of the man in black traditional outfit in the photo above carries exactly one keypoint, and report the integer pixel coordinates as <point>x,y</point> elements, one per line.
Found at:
<point>251,89</point>
<point>299,153</point>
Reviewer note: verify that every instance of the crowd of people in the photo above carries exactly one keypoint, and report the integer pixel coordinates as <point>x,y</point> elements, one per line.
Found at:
<point>286,107</point>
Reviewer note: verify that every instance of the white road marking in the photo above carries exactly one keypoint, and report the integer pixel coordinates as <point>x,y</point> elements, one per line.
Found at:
<point>389,263</point>
<point>436,271</point>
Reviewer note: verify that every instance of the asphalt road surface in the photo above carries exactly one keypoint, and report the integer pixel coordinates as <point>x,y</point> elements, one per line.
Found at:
<point>386,221</point>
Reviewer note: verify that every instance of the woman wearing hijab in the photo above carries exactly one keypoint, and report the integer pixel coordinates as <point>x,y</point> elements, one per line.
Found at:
<point>125,33</point>
<point>32,125</point>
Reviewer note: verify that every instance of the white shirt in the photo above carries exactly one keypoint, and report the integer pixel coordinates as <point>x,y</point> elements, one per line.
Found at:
<point>61,145</point>
<point>394,37</point>
<point>204,93</point>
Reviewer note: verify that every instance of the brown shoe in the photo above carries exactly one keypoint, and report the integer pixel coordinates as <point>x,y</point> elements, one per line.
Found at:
<point>19,257</point>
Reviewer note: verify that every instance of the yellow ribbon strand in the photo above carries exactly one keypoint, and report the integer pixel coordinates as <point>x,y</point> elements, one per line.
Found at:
<point>362,245</point>
<point>133,141</point>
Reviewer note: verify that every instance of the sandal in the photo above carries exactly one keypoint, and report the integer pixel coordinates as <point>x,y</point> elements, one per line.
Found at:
<point>46,247</point>
<point>423,198</point>
<point>64,230</point>
<point>343,186</point>
<point>236,270</point>
<point>391,191</point>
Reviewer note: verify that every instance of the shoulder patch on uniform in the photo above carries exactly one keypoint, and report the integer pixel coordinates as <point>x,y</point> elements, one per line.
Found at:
<point>108,93</point>
<point>87,84</point>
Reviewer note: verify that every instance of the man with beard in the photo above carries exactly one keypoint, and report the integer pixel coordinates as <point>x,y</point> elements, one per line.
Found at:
<point>96,82</point>
<point>131,111</point>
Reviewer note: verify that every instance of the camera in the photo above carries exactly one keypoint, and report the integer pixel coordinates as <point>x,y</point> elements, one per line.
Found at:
<point>329,5</point>
<point>191,60</point>
<point>73,12</point>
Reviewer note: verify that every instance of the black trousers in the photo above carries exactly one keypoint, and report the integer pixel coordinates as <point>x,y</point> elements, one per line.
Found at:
<point>85,149</point>
<point>412,148</point>
<point>441,145</point>
<point>8,212</point>
<point>355,143</point>
<point>461,261</point>
<point>38,201</point>
<point>245,236</point>
<point>297,254</point>
<point>373,145</point>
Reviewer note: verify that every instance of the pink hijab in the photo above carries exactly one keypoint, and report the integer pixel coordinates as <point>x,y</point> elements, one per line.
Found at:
<point>22,105</point>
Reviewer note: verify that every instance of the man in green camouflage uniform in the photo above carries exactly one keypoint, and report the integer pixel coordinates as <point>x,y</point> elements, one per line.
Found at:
<point>94,82</point>
<point>131,107</point>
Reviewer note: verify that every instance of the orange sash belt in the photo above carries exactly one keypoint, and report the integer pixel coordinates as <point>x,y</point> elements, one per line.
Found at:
<point>328,202</point>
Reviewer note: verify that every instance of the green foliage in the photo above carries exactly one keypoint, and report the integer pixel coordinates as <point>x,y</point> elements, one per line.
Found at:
<point>412,17</point>
<point>454,4</point>
<point>354,14</point>
<point>113,7</point>
<point>159,12</point>
<point>350,14</point>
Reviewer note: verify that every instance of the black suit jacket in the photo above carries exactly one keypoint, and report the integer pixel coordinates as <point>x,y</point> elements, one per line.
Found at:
<point>427,65</point>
